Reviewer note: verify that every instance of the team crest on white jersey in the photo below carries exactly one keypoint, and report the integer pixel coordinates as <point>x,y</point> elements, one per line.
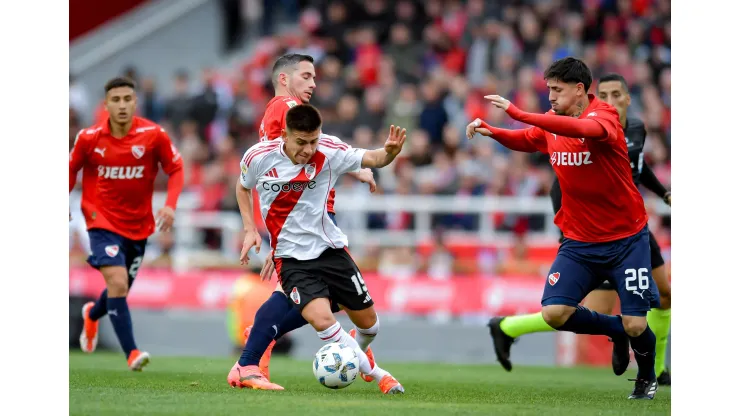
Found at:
<point>138,151</point>
<point>310,171</point>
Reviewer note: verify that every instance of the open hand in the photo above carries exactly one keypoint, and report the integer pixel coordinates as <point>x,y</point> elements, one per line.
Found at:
<point>396,139</point>
<point>498,101</point>
<point>366,176</point>
<point>251,239</point>
<point>165,218</point>
<point>475,127</point>
<point>267,269</point>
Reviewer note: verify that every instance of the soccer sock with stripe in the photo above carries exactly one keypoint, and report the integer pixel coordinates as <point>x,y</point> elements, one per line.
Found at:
<point>660,322</point>
<point>265,328</point>
<point>335,333</point>
<point>120,317</point>
<point>366,336</point>
<point>516,326</point>
<point>586,321</point>
<point>101,306</point>
<point>644,348</point>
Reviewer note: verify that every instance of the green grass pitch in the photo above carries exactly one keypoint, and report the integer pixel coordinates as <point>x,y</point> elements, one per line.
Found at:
<point>101,384</point>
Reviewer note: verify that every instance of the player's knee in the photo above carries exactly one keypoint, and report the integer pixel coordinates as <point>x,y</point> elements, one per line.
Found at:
<point>557,315</point>
<point>116,281</point>
<point>634,325</point>
<point>318,313</point>
<point>364,319</point>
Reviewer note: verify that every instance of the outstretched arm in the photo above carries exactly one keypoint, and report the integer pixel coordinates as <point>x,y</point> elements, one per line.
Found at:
<point>380,158</point>
<point>560,125</point>
<point>523,140</point>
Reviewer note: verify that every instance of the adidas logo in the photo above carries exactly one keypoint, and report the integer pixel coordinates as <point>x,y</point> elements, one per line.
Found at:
<point>272,173</point>
<point>367,299</point>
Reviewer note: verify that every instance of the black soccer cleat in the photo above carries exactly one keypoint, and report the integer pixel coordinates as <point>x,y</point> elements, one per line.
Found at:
<point>620,354</point>
<point>644,389</point>
<point>501,342</point>
<point>664,379</point>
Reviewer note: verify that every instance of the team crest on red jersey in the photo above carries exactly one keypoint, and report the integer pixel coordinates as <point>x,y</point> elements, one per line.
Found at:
<point>553,278</point>
<point>138,151</point>
<point>294,296</point>
<point>111,251</point>
<point>310,171</point>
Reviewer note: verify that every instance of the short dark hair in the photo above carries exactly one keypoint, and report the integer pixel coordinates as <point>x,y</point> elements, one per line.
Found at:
<point>119,82</point>
<point>615,77</point>
<point>304,118</point>
<point>570,70</point>
<point>285,61</point>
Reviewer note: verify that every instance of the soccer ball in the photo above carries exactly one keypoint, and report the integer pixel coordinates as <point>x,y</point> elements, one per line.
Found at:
<point>336,365</point>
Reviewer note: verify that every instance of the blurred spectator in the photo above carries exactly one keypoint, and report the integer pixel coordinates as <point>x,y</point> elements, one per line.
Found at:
<point>150,103</point>
<point>425,66</point>
<point>179,106</point>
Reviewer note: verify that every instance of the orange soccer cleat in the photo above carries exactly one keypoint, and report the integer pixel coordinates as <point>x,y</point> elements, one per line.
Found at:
<point>370,356</point>
<point>89,336</point>
<point>250,377</point>
<point>137,360</point>
<point>265,360</point>
<point>389,385</point>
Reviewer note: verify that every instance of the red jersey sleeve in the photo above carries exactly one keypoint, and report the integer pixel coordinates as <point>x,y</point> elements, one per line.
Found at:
<point>167,153</point>
<point>528,140</point>
<point>608,118</point>
<point>172,164</point>
<point>78,156</point>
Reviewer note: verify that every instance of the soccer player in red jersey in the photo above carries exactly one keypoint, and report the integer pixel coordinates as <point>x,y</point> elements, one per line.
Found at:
<point>603,217</point>
<point>293,77</point>
<point>119,158</point>
<point>612,88</point>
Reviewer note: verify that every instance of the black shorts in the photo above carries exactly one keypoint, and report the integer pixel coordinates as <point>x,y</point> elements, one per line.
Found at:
<point>656,260</point>
<point>332,275</point>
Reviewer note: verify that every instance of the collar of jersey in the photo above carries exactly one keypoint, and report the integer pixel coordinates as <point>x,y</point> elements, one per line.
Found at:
<point>282,147</point>
<point>106,126</point>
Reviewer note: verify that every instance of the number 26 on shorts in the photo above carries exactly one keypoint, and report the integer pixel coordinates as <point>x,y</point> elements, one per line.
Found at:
<point>640,276</point>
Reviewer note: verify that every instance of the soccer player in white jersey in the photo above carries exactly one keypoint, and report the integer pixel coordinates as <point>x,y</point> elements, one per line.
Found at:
<point>293,178</point>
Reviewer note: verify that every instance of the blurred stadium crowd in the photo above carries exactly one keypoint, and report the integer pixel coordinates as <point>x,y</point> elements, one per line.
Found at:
<point>424,66</point>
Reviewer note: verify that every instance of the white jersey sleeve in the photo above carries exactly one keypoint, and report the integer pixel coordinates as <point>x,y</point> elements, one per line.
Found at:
<point>342,157</point>
<point>250,163</point>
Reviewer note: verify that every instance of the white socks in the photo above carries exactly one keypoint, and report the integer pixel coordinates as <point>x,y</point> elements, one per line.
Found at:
<point>335,333</point>
<point>366,336</point>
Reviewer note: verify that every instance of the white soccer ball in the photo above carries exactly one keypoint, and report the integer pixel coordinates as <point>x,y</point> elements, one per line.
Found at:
<point>336,365</point>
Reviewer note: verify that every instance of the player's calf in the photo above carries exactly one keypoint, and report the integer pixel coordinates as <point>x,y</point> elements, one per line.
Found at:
<point>116,278</point>
<point>366,328</point>
<point>258,347</point>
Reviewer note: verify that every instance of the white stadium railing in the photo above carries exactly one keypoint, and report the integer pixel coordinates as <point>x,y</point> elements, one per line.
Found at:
<point>352,212</point>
